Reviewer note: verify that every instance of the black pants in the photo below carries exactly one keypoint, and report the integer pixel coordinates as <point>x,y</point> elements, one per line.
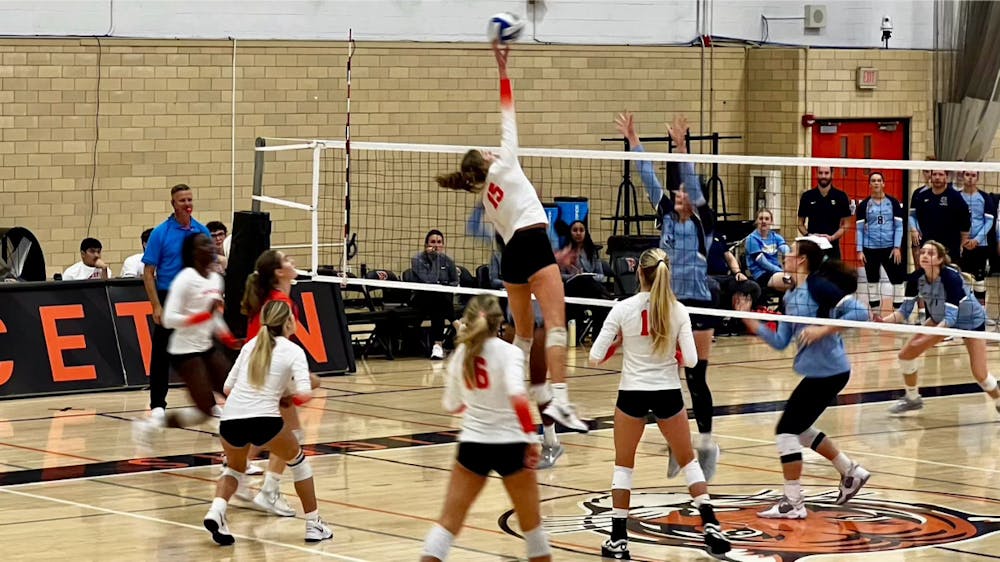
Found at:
<point>809,400</point>
<point>881,258</point>
<point>159,363</point>
<point>438,307</point>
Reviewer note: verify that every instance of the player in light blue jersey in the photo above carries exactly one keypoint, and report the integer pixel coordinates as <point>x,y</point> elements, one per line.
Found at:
<point>822,290</point>
<point>686,232</point>
<point>975,250</point>
<point>880,235</point>
<point>949,305</point>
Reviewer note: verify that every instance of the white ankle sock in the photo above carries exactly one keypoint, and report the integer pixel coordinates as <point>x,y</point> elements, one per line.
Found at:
<point>912,392</point>
<point>219,505</point>
<point>312,515</point>
<point>793,490</point>
<point>549,435</point>
<point>842,463</point>
<point>560,392</point>
<point>271,482</point>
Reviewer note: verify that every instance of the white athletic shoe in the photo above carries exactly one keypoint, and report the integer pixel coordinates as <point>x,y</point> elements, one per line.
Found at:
<point>216,524</point>
<point>616,550</point>
<point>254,469</point>
<point>708,458</point>
<point>437,352</point>
<point>318,531</point>
<point>159,415</point>
<point>549,455</point>
<point>905,404</point>
<point>566,415</point>
<point>851,483</point>
<point>273,502</point>
<point>785,509</point>
<point>144,432</point>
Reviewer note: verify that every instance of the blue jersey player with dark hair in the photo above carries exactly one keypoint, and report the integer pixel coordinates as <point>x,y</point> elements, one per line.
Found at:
<point>686,236</point>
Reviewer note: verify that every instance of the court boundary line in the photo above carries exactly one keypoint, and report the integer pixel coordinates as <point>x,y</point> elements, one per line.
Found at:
<point>147,518</point>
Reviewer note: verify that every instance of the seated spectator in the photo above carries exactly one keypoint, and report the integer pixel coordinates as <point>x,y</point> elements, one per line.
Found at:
<point>583,272</point>
<point>90,266</point>
<point>763,247</point>
<point>133,265</point>
<point>433,266</point>
<point>724,269</point>
<point>219,234</point>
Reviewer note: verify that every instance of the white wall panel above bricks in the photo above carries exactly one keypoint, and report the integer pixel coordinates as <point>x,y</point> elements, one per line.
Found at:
<point>851,23</point>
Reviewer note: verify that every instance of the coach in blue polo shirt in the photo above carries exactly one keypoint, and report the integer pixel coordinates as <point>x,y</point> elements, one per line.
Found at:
<point>825,211</point>
<point>163,261</point>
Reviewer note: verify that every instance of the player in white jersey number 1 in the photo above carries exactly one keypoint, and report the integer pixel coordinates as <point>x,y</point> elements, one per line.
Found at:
<point>652,327</point>
<point>486,380</point>
<point>528,264</point>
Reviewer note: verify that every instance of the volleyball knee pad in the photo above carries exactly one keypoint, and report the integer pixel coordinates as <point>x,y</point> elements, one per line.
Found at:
<point>989,384</point>
<point>299,435</point>
<point>908,366</point>
<point>300,467</point>
<point>789,448</point>
<point>238,476</point>
<point>622,478</point>
<point>437,543</point>
<point>693,473</point>
<point>556,337</point>
<point>537,542</point>
<point>540,393</point>
<point>811,438</point>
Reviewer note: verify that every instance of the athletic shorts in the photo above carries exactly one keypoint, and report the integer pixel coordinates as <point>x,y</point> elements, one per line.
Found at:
<point>244,431</point>
<point>483,458</point>
<point>664,404</point>
<point>528,252</point>
<point>700,322</point>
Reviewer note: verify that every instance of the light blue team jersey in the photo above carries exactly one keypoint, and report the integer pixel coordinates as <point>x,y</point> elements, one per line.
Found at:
<point>981,215</point>
<point>825,357</point>
<point>762,253</point>
<point>947,300</point>
<point>880,223</point>
<point>680,240</point>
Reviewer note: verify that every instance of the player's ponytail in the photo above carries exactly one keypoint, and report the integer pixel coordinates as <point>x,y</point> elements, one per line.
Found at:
<point>654,266</point>
<point>480,322</point>
<point>829,280</point>
<point>273,318</point>
<point>260,282</point>
<point>471,174</point>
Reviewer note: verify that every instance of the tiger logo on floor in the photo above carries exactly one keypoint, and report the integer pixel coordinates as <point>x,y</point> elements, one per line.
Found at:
<point>867,524</point>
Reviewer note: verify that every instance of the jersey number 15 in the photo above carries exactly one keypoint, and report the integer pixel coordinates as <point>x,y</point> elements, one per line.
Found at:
<point>494,193</point>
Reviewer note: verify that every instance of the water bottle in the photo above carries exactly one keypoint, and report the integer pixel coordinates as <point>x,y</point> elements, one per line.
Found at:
<point>571,328</point>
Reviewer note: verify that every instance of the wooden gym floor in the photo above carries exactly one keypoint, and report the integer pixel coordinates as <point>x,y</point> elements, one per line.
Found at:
<point>73,487</point>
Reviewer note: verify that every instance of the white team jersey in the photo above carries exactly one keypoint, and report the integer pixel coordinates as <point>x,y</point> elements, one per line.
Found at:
<point>489,416</point>
<point>289,374</point>
<point>509,197</point>
<point>80,271</point>
<point>190,294</point>
<point>133,266</point>
<point>642,368</point>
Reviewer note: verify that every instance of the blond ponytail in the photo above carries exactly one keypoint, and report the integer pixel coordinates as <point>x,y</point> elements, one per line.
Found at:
<point>273,318</point>
<point>654,266</point>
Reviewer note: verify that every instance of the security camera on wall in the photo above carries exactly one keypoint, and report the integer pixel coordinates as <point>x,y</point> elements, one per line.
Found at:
<point>886,30</point>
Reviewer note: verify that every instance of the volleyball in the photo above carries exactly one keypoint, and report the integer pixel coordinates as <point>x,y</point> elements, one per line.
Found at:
<point>504,27</point>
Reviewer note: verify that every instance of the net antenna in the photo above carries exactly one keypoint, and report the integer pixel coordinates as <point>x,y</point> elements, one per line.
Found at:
<point>350,241</point>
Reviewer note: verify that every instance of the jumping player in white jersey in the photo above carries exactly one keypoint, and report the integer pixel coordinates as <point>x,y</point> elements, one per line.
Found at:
<point>486,380</point>
<point>528,264</point>
<point>652,327</point>
<point>268,367</point>
<point>191,310</point>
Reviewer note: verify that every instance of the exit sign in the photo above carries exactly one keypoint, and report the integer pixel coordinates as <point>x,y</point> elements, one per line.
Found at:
<point>867,78</point>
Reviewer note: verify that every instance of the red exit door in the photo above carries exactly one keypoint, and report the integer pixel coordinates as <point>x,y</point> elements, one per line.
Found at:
<point>884,139</point>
